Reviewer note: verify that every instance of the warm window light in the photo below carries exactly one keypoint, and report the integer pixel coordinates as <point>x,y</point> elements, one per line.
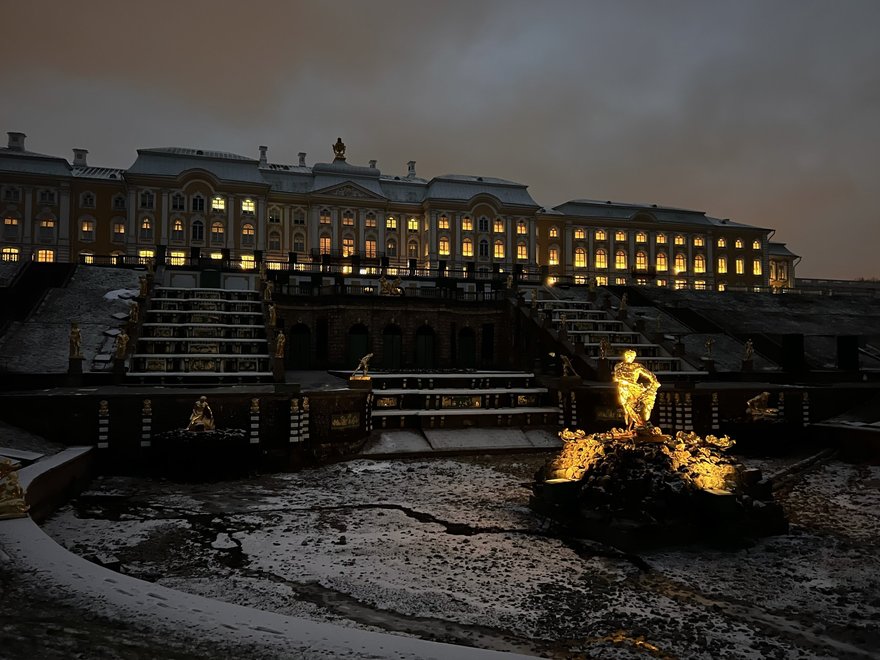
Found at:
<point>679,240</point>
<point>662,262</point>
<point>738,244</point>
<point>248,206</point>
<point>620,260</point>
<point>756,245</point>
<point>722,265</point>
<point>467,248</point>
<point>412,224</point>
<point>521,228</point>
<point>554,232</point>
<point>579,234</point>
<point>498,226</point>
<point>176,258</point>
<point>699,241</point>
<point>467,224</point>
<point>273,265</point>
<point>756,267</point>
<point>661,239</point>
<point>443,249</point>
<point>641,237</point>
<point>553,256</point>
<point>722,243</point>
<point>390,222</point>
<point>601,258</point>
<point>522,251</point>
<point>641,260</point>
<point>443,222</point>
<point>216,255</point>
<point>620,236</point>
<point>601,280</point>
<point>580,258</point>
<point>600,235</point>
<point>499,250</point>
<point>87,257</point>
<point>218,204</point>
<point>247,262</point>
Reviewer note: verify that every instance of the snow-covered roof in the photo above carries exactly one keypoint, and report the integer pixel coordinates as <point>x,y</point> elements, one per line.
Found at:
<point>460,187</point>
<point>29,162</point>
<point>110,173</point>
<point>780,250</point>
<point>172,161</point>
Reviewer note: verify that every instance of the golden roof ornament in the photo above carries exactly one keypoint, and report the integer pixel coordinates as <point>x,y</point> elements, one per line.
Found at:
<point>339,150</point>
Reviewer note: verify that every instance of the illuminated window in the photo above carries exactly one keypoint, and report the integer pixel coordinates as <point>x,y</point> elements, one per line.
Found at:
<point>756,267</point>
<point>198,204</point>
<point>443,249</point>
<point>699,263</point>
<point>620,281</point>
<point>177,258</point>
<point>197,231</point>
<point>740,266</point>
<point>412,224</point>
<point>177,230</point>
<point>248,235</point>
<point>641,237</point>
<point>601,258</point>
<point>553,256</point>
<point>699,241</point>
<point>146,229</point>
<point>662,262</point>
<point>522,251</point>
<point>679,239</point>
<point>274,215</point>
<point>600,235</point>
<point>661,239</point>
<point>467,224</point>
<point>700,285</point>
<point>87,200</point>
<point>9,254</point>
<point>87,230</point>
<point>641,281</point>
<point>483,224</point>
<point>722,265</point>
<point>484,247</point>
<point>722,242</point>
<point>118,232</point>
<point>248,262</point>
<point>580,279</point>
<point>218,204</point>
<point>391,248</point>
<point>324,244</point>
<point>661,282</point>
<point>738,244</point>
<point>620,235</point>
<point>498,226</point>
<point>579,234</point>
<point>370,248</point>
<point>521,228</point>
<point>467,248</point>
<point>499,250</point>
<point>87,257</point>
<point>681,284</point>
<point>580,258</point>
<point>620,260</point>
<point>601,280</point>
<point>390,222</point>
<point>554,232</point>
<point>412,250</point>
<point>46,256</point>
<point>299,217</point>
<point>119,203</point>
<point>148,199</point>
<point>275,241</point>
<point>299,243</point>
<point>347,246</point>
<point>641,260</point>
<point>443,222</point>
<point>248,207</point>
<point>722,286</point>
<point>216,255</point>
<point>217,232</point>
<point>756,245</point>
<point>680,263</point>
<point>145,256</point>
<point>10,228</point>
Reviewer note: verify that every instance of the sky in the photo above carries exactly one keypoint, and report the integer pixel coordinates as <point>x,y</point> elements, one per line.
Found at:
<point>765,112</point>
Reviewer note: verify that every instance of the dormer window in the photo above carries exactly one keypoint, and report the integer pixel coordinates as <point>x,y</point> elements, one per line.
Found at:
<point>218,204</point>
<point>198,204</point>
<point>248,206</point>
<point>148,200</point>
<point>87,200</point>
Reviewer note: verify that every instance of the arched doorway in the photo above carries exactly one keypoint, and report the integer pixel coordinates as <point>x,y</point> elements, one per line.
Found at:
<point>299,350</point>
<point>356,344</point>
<point>392,347</point>
<point>425,347</point>
<point>467,349</point>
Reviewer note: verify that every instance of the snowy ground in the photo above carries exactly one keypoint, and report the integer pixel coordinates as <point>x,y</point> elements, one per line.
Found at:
<point>448,550</point>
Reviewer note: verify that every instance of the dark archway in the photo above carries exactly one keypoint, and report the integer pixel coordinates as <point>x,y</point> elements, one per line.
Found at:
<point>299,350</point>
<point>425,347</point>
<point>356,344</point>
<point>467,349</point>
<point>392,347</point>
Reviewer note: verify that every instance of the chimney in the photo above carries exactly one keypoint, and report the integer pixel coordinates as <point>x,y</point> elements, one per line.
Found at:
<point>16,141</point>
<point>411,167</point>
<point>302,158</point>
<point>79,157</point>
<point>373,164</point>
<point>263,162</point>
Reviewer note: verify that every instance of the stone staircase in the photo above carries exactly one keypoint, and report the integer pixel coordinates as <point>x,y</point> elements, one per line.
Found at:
<point>192,336</point>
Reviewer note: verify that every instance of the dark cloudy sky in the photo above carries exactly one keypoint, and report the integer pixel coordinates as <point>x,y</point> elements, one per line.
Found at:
<point>765,112</point>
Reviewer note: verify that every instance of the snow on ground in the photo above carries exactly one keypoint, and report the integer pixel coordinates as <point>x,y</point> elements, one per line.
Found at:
<point>447,549</point>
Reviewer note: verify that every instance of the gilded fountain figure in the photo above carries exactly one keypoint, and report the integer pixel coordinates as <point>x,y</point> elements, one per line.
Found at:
<point>636,390</point>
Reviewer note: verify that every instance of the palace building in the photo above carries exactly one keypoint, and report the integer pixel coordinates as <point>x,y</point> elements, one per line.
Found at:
<point>179,205</point>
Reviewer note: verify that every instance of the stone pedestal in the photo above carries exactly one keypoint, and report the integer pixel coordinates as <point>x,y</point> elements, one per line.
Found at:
<point>708,364</point>
<point>621,315</point>
<point>118,369</point>
<point>74,366</point>
<point>278,369</point>
<point>604,371</point>
<point>568,383</point>
<point>678,348</point>
<point>748,366</point>
<point>360,383</point>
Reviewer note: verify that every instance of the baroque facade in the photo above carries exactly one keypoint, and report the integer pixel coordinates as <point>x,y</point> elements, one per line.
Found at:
<point>183,204</point>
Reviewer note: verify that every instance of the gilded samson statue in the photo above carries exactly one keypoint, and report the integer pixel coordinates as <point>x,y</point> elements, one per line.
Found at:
<point>202,417</point>
<point>635,397</point>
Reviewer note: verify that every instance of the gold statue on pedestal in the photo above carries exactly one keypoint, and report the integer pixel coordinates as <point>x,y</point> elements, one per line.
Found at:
<point>567,368</point>
<point>280,340</point>
<point>121,345</point>
<point>202,417</point>
<point>75,341</point>
<point>363,367</point>
<point>12,502</point>
<point>635,397</point>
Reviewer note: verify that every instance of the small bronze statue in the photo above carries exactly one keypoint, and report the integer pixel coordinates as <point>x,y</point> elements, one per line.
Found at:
<point>750,350</point>
<point>267,291</point>
<point>567,368</point>
<point>134,311</point>
<point>624,302</point>
<point>75,341</point>
<point>758,408</point>
<point>202,417</point>
<point>280,340</point>
<point>709,343</point>
<point>604,347</point>
<point>273,318</point>
<point>121,345</point>
<point>363,367</point>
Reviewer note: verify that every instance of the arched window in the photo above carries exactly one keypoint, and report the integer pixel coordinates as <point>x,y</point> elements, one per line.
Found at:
<point>680,263</point>
<point>679,239</point>
<point>661,239</point>
<point>275,241</point>
<point>274,215</point>
<point>641,237</point>
<point>553,256</point>
<point>324,216</point>
<point>521,228</point>
<point>579,234</point>
<point>601,258</point>
<point>756,267</point>
<point>483,223</point>
<point>601,235</point>
<point>87,200</point>
<point>146,229</point>
<point>444,246</point>
<point>370,220</point>
<point>198,204</point>
<point>722,242</point>
<point>217,232</point>
<point>197,231</point>
<point>699,263</point>
<point>619,235</point>
<point>699,241</point>
<point>443,221</point>
<point>554,232</point>
<point>499,250</point>
<point>722,265</point>
<point>247,235</point>
<point>412,250</point>
<point>299,217</point>
<point>756,245</point>
<point>641,260</point>
<point>87,230</point>
<point>620,260</point>
<point>178,202</point>
<point>467,224</point>
<point>738,244</point>
<point>498,226</point>
<point>580,258</point>
<point>391,248</point>
<point>299,243</point>
<point>467,248</point>
<point>484,248</point>
<point>177,230</point>
<point>522,251</point>
<point>662,262</point>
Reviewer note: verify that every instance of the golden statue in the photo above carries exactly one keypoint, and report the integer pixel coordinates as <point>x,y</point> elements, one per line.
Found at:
<point>144,286</point>
<point>387,288</point>
<point>267,292</point>
<point>273,316</point>
<point>202,417</point>
<point>750,350</point>
<point>709,343</point>
<point>75,341</point>
<point>624,302</point>
<point>339,149</point>
<point>604,347</point>
<point>758,408</point>
<point>509,283</point>
<point>12,503</point>
<point>363,366</point>
<point>280,340</point>
<point>567,368</point>
<point>636,398</point>
<point>134,311</point>
<point>121,345</point>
